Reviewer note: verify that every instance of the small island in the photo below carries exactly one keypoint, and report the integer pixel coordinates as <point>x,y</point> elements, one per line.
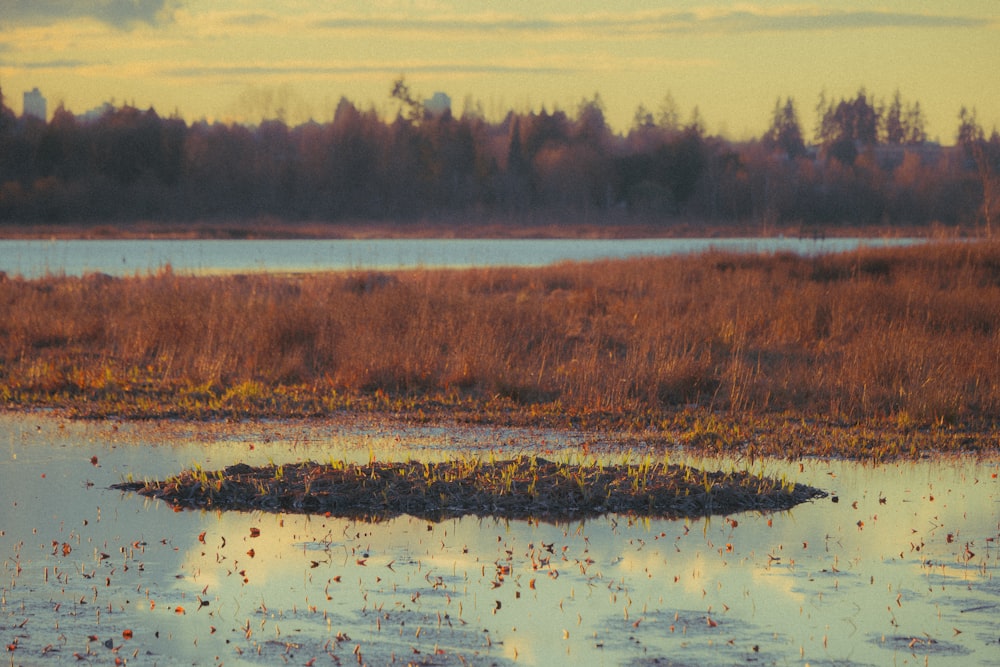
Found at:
<point>524,487</point>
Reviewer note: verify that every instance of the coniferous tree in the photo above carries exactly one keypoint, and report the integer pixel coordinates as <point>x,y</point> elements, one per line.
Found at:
<point>785,133</point>
<point>903,125</point>
<point>915,132</point>
<point>848,126</point>
<point>895,121</point>
<point>668,117</point>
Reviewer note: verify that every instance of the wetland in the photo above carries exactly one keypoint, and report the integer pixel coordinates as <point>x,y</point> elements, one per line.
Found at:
<point>865,379</point>
<point>896,566</point>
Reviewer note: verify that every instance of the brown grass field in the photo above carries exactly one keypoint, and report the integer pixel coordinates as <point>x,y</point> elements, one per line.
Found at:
<point>903,341</point>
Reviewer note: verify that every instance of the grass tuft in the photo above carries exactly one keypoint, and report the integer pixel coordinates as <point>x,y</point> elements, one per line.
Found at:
<point>523,487</point>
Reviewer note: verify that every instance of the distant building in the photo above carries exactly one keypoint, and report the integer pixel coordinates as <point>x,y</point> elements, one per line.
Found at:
<point>96,113</point>
<point>438,104</point>
<point>34,105</point>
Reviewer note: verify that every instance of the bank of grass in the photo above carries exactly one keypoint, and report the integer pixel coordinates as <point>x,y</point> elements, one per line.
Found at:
<point>521,488</point>
<point>873,352</point>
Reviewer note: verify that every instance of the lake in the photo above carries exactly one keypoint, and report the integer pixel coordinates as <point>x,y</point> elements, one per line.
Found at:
<point>898,566</point>
<point>33,259</point>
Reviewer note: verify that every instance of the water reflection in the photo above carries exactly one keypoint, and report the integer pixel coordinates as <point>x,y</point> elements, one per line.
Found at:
<point>900,569</point>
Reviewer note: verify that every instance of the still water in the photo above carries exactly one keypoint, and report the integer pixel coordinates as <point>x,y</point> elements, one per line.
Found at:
<point>33,259</point>
<point>900,570</point>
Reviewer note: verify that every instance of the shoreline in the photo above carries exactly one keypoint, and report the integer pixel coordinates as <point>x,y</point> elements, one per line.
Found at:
<point>268,229</point>
<point>695,432</point>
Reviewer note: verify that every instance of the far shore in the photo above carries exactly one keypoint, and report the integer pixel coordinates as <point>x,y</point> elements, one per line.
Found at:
<point>611,228</point>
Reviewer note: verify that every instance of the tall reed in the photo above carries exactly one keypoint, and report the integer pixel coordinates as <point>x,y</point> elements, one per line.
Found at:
<point>911,334</point>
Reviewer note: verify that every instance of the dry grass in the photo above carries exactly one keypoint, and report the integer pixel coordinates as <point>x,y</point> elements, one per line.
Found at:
<point>909,336</point>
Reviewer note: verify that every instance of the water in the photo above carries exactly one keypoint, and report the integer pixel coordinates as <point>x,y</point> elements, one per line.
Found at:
<point>900,570</point>
<point>33,259</point>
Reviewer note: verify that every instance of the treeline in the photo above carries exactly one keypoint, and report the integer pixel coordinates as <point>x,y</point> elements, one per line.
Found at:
<point>867,163</point>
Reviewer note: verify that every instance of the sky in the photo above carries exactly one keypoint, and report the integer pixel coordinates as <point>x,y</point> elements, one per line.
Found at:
<point>240,61</point>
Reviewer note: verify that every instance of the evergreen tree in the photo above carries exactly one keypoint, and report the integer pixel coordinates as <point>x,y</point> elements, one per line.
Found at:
<point>785,133</point>
<point>895,121</point>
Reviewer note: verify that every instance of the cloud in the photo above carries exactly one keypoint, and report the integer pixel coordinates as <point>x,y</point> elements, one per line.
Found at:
<point>121,14</point>
<point>198,71</point>
<point>646,23</point>
<point>249,19</point>
<point>489,23</point>
<point>749,21</point>
<point>482,23</point>
<point>54,64</point>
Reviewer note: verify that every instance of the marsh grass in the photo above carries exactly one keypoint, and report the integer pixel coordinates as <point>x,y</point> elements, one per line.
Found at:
<point>522,487</point>
<point>904,338</point>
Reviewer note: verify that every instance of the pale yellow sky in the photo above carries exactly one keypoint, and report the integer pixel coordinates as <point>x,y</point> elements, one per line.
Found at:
<point>231,60</point>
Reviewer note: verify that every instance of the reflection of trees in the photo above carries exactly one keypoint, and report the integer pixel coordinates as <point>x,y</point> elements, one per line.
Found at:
<point>871,164</point>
